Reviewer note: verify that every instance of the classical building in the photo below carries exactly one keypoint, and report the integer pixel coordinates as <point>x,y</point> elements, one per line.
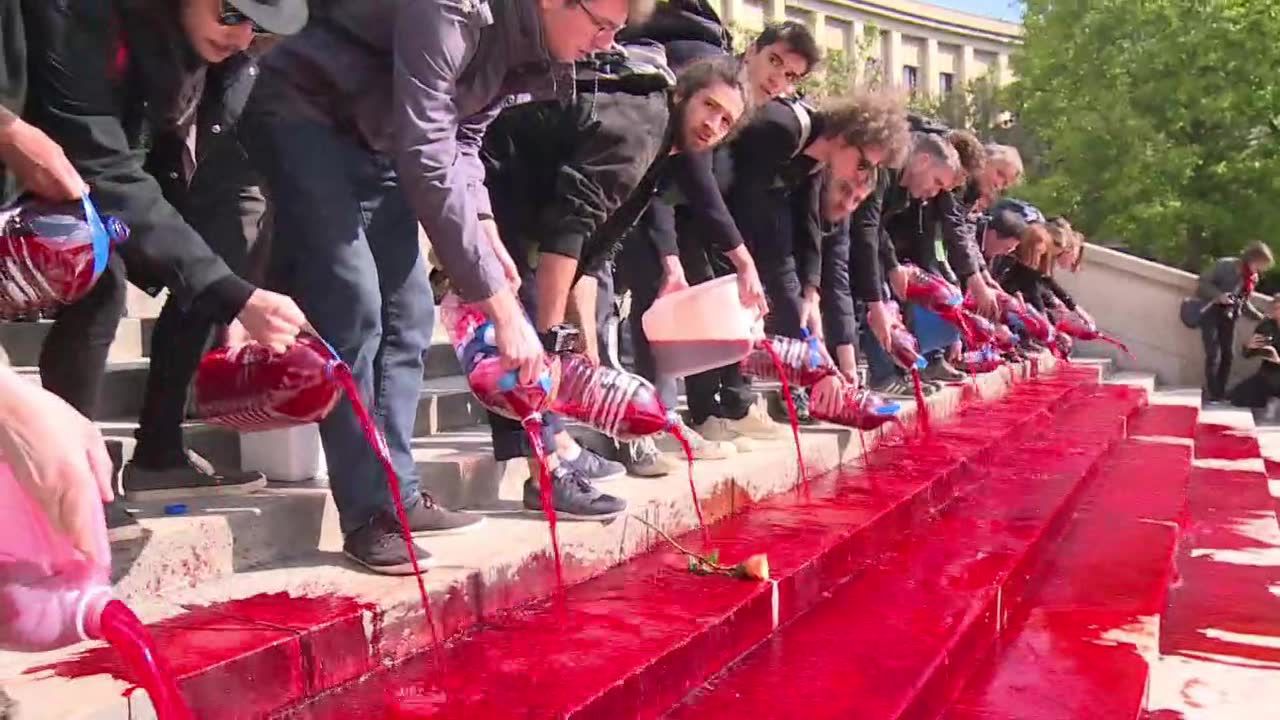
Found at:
<point>912,44</point>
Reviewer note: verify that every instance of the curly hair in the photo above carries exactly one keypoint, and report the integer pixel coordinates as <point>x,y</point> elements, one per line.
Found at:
<point>870,118</point>
<point>973,154</point>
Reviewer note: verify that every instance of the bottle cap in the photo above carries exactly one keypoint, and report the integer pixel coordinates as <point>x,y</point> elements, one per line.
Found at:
<point>175,509</point>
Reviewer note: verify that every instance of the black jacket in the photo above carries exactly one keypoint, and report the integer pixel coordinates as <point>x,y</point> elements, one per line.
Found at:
<point>99,95</point>
<point>839,317</point>
<point>871,251</point>
<point>775,189</point>
<point>687,29</point>
<point>572,179</point>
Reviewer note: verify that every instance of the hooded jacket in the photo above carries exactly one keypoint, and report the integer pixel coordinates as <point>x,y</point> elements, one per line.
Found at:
<point>573,179</point>
<point>421,82</point>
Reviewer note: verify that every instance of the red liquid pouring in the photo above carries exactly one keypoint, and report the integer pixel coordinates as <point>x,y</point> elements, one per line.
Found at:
<point>835,401</point>
<point>533,429</point>
<point>122,629</point>
<point>379,445</point>
<point>785,359</point>
<point>791,406</point>
<point>693,490</point>
<point>921,407</point>
<point>1074,326</point>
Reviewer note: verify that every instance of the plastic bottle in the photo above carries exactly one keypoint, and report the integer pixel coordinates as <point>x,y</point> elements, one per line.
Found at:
<point>983,360</point>
<point>1006,339</point>
<point>801,360</point>
<point>905,350</point>
<point>50,594</point>
<point>498,389</point>
<point>251,388</point>
<point>936,295</point>
<point>980,330</point>
<point>835,400</point>
<point>615,402</point>
<point>52,253</point>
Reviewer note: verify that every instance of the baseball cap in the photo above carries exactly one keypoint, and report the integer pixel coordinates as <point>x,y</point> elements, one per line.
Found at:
<point>1007,223</point>
<point>278,17</point>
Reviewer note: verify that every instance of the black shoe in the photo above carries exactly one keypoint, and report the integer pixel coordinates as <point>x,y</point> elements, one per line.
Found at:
<point>121,526</point>
<point>430,518</point>
<point>594,468</point>
<point>939,370</point>
<point>801,400</point>
<point>573,497</point>
<point>379,546</point>
<point>194,478</point>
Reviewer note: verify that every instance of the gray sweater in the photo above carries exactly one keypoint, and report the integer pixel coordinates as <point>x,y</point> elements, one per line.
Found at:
<point>1226,276</point>
<point>420,81</point>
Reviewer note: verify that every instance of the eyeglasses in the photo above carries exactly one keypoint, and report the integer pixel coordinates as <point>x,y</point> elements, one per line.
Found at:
<point>231,17</point>
<point>603,26</point>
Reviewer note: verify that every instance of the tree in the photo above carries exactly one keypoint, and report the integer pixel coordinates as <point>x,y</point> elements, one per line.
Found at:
<point>1157,120</point>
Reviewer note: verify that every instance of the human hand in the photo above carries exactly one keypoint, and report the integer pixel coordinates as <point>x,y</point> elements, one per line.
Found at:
<point>39,163</point>
<point>272,319</point>
<point>518,345</point>
<point>59,457</point>
<point>983,296</point>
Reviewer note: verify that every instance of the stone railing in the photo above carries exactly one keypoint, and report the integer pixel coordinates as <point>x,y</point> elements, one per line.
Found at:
<point>1137,301</point>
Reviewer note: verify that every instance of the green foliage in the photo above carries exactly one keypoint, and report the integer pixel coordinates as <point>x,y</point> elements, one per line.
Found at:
<point>1157,120</point>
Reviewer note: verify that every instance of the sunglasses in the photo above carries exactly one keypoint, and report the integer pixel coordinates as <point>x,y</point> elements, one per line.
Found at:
<point>232,17</point>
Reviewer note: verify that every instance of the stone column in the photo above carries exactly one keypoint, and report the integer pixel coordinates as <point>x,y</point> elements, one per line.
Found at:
<point>730,11</point>
<point>966,70</point>
<point>1002,69</point>
<point>777,11</point>
<point>892,59</point>
<point>819,29</point>
<point>929,84</point>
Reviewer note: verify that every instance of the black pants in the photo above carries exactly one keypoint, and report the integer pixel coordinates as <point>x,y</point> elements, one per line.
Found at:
<point>73,360</point>
<point>639,269</point>
<point>1255,390</point>
<point>225,205</point>
<point>1217,332</point>
<point>724,391</point>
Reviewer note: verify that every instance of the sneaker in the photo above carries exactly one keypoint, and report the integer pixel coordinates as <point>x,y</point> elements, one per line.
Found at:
<point>430,518</point>
<point>121,525</point>
<point>379,546</point>
<point>644,460</point>
<point>800,398</point>
<point>194,478</point>
<point>703,449</point>
<point>939,370</point>
<point>757,424</point>
<point>573,497</point>
<point>719,430</point>
<point>594,468</point>
<point>900,389</point>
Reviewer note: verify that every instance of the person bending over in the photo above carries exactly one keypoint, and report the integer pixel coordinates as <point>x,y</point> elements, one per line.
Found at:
<point>1226,288</point>
<point>569,182</point>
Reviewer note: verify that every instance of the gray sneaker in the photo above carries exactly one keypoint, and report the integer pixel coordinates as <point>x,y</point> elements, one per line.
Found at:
<point>431,518</point>
<point>644,459</point>
<point>594,468</point>
<point>194,478</point>
<point>573,497</point>
<point>379,546</point>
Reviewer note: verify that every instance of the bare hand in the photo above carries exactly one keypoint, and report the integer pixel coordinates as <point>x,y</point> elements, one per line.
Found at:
<point>1270,355</point>
<point>1257,342</point>
<point>1086,317</point>
<point>898,278</point>
<point>272,319</point>
<point>847,362</point>
<point>235,335</point>
<point>59,457</point>
<point>881,321</point>
<point>517,341</point>
<point>983,297</point>
<point>39,163</point>
<point>673,279</point>
<point>509,267</point>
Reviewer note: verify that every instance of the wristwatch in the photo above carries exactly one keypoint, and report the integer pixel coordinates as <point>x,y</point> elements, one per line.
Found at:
<point>562,338</point>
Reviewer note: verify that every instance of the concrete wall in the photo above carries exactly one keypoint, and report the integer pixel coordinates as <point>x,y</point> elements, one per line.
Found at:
<point>1137,301</point>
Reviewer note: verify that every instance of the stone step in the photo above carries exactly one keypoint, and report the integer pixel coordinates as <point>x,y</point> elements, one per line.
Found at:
<point>20,342</point>
<point>920,617</point>
<point>373,619</point>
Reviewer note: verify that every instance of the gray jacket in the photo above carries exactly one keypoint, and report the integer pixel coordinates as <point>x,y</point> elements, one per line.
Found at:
<point>420,81</point>
<point>1226,276</point>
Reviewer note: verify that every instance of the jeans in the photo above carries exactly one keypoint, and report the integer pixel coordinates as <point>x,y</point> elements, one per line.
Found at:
<point>1217,332</point>
<point>347,241</point>
<point>73,360</point>
<point>881,368</point>
<point>227,208</point>
<point>934,334</point>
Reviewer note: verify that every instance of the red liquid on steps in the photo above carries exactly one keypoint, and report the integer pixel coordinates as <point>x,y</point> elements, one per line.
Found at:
<point>791,407</point>
<point>533,429</point>
<point>693,489</point>
<point>922,409</point>
<point>122,629</point>
<point>379,445</point>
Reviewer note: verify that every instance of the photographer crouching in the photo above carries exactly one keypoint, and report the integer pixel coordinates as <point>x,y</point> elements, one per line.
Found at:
<point>1226,288</point>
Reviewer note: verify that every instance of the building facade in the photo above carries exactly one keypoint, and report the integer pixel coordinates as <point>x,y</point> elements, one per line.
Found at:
<point>911,44</point>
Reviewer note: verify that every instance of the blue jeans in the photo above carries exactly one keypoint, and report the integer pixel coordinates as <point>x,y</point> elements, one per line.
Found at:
<point>347,243</point>
<point>880,366</point>
<point>934,334</point>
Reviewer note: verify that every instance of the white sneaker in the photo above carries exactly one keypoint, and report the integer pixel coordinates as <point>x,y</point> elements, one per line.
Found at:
<point>757,424</point>
<point>703,449</point>
<point>719,430</point>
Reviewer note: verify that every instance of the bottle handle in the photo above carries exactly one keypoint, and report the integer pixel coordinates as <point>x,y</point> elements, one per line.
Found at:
<point>99,239</point>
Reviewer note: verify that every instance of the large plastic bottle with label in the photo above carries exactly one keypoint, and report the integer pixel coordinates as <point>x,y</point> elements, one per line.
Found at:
<point>252,388</point>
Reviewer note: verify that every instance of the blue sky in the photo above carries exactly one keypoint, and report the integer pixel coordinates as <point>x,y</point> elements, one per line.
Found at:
<point>1003,9</point>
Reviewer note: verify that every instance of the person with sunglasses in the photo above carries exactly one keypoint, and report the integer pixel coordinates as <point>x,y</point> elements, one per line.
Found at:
<point>104,79</point>
<point>364,125</point>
